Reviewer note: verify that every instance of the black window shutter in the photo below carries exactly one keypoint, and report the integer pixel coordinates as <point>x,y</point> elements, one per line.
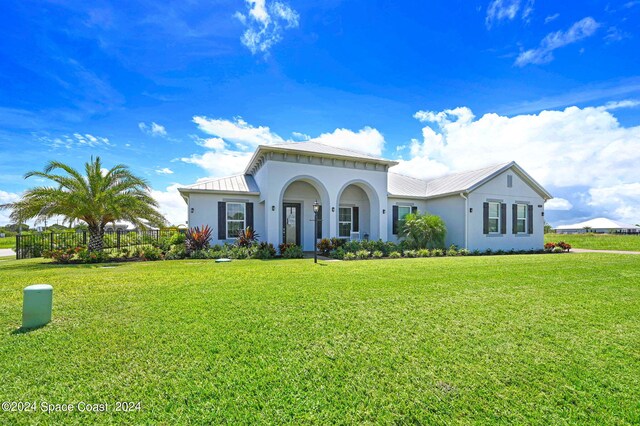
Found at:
<point>356,219</point>
<point>394,218</point>
<point>248,221</point>
<point>222,220</point>
<point>485,218</point>
<point>514,219</point>
<point>530,218</point>
<point>503,218</point>
<point>414,210</point>
<point>319,225</point>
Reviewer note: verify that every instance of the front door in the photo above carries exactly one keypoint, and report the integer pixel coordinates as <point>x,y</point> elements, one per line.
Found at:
<point>291,223</point>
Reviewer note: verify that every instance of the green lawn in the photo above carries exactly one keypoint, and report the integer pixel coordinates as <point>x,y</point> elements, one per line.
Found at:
<point>597,241</point>
<point>7,242</point>
<point>535,339</point>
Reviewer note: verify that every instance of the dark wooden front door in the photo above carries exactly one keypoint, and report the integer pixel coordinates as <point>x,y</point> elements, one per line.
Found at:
<point>291,222</point>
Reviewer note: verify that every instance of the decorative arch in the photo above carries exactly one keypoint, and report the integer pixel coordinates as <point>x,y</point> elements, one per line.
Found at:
<point>374,204</point>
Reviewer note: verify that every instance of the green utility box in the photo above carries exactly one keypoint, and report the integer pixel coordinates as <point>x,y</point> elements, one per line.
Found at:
<point>37,305</point>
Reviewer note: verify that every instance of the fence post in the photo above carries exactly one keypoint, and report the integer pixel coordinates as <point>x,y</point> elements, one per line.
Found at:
<point>118,238</point>
<point>84,238</point>
<point>51,240</point>
<point>17,246</point>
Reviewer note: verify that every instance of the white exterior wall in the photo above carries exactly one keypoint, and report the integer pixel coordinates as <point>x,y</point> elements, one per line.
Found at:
<point>205,212</point>
<point>329,182</point>
<point>393,201</point>
<point>496,190</point>
<point>451,209</point>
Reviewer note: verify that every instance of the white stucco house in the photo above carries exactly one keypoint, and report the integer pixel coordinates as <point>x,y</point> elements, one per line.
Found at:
<point>497,207</point>
<point>599,225</point>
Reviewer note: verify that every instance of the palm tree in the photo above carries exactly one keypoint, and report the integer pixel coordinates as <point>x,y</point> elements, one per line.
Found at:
<point>423,231</point>
<point>97,198</point>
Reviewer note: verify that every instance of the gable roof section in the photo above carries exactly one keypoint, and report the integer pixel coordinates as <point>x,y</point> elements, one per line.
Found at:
<point>406,186</point>
<point>460,182</point>
<point>315,149</point>
<point>238,184</point>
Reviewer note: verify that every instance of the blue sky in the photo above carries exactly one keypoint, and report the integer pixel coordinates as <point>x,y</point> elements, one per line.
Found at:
<point>186,90</point>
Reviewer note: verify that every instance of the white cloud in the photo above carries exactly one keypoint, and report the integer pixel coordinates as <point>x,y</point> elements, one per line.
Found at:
<point>499,10</point>
<point>153,129</point>
<point>551,18</point>
<point>621,201</point>
<point>572,151</point>
<point>219,164</point>
<point>164,171</point>
<point>238,131</point>
<point>366,140</point>
<point>172,205</point>
<point>265,23</point>
<point>558,204</point>
<point>552,41</point>
<point>301,136</point>
<point>75,140</point>
<point>7,197</point>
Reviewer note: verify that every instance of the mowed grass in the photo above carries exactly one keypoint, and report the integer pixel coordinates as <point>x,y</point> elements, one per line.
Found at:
<point>534,339</point>
<point>7,242</point>
<point>597,241</point>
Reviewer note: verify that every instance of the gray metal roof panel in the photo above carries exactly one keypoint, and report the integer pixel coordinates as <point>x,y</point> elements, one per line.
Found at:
<point>237,183</point>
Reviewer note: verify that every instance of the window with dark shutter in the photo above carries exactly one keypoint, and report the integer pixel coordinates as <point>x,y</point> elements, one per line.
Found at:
<point>394,218</point>
<point>485,218</point>
<point>514,218</point>
<point>356,219</point>
<point>222,220</point>
<point>249,218</point>
<point>414,210</point>
<point>503,218</point>
<point>530,217</point>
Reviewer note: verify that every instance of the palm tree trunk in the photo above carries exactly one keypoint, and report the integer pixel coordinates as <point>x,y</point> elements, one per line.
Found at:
<point>96,237</point>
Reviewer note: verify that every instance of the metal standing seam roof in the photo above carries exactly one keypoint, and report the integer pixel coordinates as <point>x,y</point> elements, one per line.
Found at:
<point>320,148</point>
<point>463,181</point>
<point>237,183</point>
<point>405,186</point>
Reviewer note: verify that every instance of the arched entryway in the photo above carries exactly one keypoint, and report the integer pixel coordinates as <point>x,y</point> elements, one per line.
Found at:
<point>357,212</point>
<point>296,212</point>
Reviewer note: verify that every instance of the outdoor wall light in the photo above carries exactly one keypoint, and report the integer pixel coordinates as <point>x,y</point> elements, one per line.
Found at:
<point>542,213</point>
<point>333,209</point>
<point>470,209</point>
<point>192,209</point>
<point>316,207</point>
<point>273,208</point>
<point>384,211</point>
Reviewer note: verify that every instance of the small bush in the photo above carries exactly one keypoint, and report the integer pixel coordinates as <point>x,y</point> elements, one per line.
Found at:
<point>437,252</point>
<point>410,253</point>
<point>198,254</point>
<point>349,256</point>
<point>264,250</point>
<point>293,252</point>
<point>177,239</point>
<point>337,253</point>
<point>476,252</point>
<point>464,252</point>
<point>452,251</point>
<point>176,252</point>
<point>424,253</point>
<point>325,246</point>
<point>62,255</point>
<point>395,255</point>
<point>377,254</point>
<point>198,239</point>
<point>363,254</point>
<point>151,253</point>
<point>247,237</point>
<point>86,256</point>
<point>558,249</point>
<point>488,252</point>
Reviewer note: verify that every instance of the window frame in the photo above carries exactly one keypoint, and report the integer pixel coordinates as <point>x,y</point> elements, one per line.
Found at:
<point>350,221</point>
<point>227,220</point>
<point>525,219</point>
<point>498,218</point>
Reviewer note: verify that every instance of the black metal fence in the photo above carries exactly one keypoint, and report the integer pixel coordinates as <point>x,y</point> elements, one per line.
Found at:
<point>34,244</point>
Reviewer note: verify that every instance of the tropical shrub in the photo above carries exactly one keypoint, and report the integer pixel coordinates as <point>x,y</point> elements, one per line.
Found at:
<point>377,254</point>
<point>337,253</point>
<point>86,256</point>
<point>62,255</point>
<point>363,254</point>
<point>283,247</point>
<point>349,256</point>
<point>176,252</point>
<point>151,253</point>
<point>395,255</point>
<point>177,239</point>
<point>325,246</point>
<point>452,251</point>
<point>422,231</point>
<point>557,249</point>
<point>464,252</point>
<point>410,253</point>
<point>564,246</point>
<point>198,239</point>
<point>437,252</point>
<point>549,246</point>
<point>424,253</point>
<point>293,252</point>
<point>247,237</point>
<point>264,250</point>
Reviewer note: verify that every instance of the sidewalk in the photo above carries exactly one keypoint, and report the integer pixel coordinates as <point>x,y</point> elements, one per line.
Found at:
<point>7,252</point>
<point>577,250</point>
